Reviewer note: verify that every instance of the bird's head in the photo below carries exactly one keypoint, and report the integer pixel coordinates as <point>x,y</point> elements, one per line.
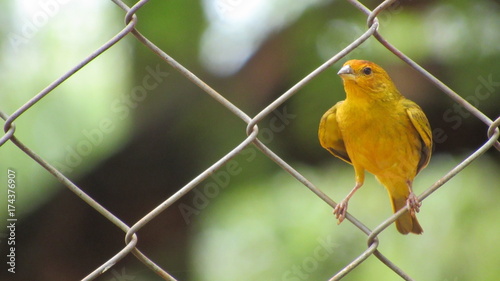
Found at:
<point>366,76</point>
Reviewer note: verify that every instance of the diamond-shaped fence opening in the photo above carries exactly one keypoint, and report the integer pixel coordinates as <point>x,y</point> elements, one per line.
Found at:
<point>252,140</point>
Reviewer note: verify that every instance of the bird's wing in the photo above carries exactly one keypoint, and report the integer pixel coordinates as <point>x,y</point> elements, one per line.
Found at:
<point>330,136</point>
<point>421,124</point>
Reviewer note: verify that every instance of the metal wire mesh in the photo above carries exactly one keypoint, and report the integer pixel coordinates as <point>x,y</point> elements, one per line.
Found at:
<point>252,138</point>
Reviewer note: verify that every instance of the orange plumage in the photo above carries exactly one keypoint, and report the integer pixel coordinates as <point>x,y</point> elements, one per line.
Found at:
<point>378,130</point>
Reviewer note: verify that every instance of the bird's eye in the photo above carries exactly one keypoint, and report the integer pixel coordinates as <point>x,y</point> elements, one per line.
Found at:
<point>367,70</point>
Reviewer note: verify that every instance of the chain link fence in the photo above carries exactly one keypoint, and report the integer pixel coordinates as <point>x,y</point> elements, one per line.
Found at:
<point>252,130</point>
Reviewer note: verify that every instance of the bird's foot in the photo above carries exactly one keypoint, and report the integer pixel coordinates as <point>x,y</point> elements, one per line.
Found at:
<point>340,211</point>
<point>413,204</point>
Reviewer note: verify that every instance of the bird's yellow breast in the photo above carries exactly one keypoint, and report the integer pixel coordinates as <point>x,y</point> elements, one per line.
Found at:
<point>380,138</point>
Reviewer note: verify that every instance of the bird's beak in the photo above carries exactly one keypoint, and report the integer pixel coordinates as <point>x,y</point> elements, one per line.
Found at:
<point>345,70</point>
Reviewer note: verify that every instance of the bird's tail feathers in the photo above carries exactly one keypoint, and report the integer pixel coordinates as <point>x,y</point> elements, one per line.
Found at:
<point>407,222</point>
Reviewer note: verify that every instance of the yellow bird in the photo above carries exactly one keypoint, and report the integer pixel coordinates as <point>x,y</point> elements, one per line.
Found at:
<point>378,130</point>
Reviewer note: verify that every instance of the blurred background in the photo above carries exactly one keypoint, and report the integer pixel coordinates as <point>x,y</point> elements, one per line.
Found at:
<point>130,131</point>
